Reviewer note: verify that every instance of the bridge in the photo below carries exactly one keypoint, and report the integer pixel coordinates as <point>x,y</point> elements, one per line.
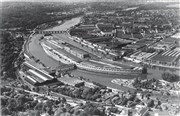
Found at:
<point>50,32</point>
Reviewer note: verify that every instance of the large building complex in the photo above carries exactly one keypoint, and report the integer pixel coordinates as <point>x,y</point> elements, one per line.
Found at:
<point>35,77</point>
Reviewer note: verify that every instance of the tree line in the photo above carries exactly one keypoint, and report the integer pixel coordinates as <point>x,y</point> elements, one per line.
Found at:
<point>20,103</point>
<point>29,15</point>
<point>11,46</point>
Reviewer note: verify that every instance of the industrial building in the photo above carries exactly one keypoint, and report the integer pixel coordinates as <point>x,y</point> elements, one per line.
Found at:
<point>62,51</point>
<point>161,46</point>
<point>106,29</point>
<point>35,77</point>
<point>168,57</point>
<point>70,49</point>
<point>142,56</point>
<point>39,77</point>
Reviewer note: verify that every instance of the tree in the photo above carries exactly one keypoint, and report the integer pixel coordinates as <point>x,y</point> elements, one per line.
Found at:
<point>34,113</point>
<point>39,107</point>
<point>63,100</point>
<point>132,97</point>
<point>12,104</point>
<point>150,103</point>
<point>76,113</point>
<point>42,37</point>
<point>88,96</point>
<point>21,100</point>
<point>137,100</point>
<point>83,113</point>
<point>170,77</point>
<point>124,101</point>
<point>94,97</point>
<point>144,70</point>
<point>59,111</point>
<point>92,109</point>
<point>76,93</point>
<point>5,111</point>
<point>4,101</point>
<point>85,92</point>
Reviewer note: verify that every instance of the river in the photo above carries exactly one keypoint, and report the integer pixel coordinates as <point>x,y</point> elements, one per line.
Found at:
<point>66,25</point>
<point>131,8</point>
<point>174,5</point>
<point>37,51</point>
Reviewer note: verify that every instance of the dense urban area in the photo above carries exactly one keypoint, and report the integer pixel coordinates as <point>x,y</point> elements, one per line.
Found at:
<point>90,58</point>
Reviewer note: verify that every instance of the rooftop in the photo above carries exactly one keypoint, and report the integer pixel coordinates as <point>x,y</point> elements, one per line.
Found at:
<point>105,27</point>
<point>167,56</point>
<point>135,46</point>
<point>145,41</point>
<point>168,40</point>
<point>76,49</point>
<point>63,52</point>
<point>143,111</point>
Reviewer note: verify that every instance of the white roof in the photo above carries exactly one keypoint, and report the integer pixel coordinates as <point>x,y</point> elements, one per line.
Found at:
<point>39,75</point>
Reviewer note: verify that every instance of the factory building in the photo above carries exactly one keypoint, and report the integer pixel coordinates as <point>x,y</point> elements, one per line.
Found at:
<point>169,58</point>
<point>34,77</point>
<point>72,50</point>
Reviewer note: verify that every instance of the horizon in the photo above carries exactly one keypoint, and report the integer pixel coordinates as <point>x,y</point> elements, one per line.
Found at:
<point>90,1</point>
<point>60,0</point>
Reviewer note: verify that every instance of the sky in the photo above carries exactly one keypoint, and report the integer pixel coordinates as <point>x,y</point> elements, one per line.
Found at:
<point>77,0</point>
<point>55,0</point>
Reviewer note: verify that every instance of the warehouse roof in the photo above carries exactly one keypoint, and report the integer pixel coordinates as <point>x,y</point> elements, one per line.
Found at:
<point>167,56</point>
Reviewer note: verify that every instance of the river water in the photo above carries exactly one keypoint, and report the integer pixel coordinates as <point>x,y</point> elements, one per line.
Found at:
<point>66,25</point>
<point>174,5</point>
<point>37,51</point>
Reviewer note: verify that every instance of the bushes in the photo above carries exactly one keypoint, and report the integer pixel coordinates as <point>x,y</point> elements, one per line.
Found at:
<point>170,77</point>
<point>82,92</point>
<point>148,84</point>
<point>150,103</point>
<point>144,70</point>
<point>11,47</point>
<point>100,85</point>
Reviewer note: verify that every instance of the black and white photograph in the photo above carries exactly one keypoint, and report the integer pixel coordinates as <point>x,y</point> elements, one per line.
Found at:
<point>90,57</point>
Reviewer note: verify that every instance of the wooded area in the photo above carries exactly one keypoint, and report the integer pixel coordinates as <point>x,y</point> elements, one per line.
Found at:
<point>28,15</point>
